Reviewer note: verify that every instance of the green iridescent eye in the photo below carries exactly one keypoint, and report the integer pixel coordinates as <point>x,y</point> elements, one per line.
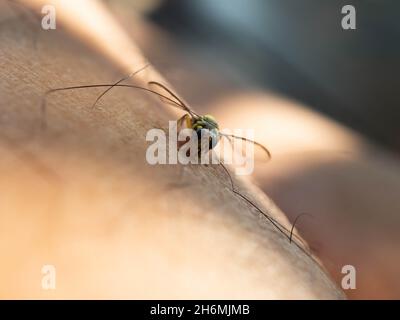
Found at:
<point>210,120</point>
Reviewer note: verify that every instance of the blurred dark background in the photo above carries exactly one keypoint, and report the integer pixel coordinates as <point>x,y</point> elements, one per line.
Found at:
<point>299,49</point>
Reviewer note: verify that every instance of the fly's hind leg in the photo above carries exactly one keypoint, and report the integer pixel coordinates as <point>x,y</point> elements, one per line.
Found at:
<point>232,185</point>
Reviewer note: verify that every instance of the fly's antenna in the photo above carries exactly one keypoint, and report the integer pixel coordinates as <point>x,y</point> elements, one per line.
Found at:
<point>118,82</point>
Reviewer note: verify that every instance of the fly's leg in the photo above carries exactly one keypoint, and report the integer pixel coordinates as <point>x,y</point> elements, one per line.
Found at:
<point>183,122</point>
<point>132,74</point>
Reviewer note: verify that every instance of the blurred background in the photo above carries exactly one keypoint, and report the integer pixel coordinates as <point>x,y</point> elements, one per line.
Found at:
<point>299,49</point>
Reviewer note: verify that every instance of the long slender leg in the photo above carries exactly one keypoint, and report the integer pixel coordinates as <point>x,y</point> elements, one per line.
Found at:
<point>229,175</point>
<point>280,227</point>
<point>295,221</point>
<point>44,104</point>
<point>184,120</point>
<point>118,82</point>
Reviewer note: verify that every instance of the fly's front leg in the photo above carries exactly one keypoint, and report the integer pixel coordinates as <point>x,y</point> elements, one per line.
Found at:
<point>226,171</point>
<point>182,123</point>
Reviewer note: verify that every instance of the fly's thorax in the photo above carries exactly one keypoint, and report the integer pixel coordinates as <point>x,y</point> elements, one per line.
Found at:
<point>207,127</point>
<point>205,122</point>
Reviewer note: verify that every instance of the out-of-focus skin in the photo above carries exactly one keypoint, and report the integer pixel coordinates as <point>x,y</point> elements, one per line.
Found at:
<point>80,195</point>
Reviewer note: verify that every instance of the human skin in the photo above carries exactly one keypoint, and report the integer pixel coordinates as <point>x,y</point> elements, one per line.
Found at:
<point>80,195</point>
